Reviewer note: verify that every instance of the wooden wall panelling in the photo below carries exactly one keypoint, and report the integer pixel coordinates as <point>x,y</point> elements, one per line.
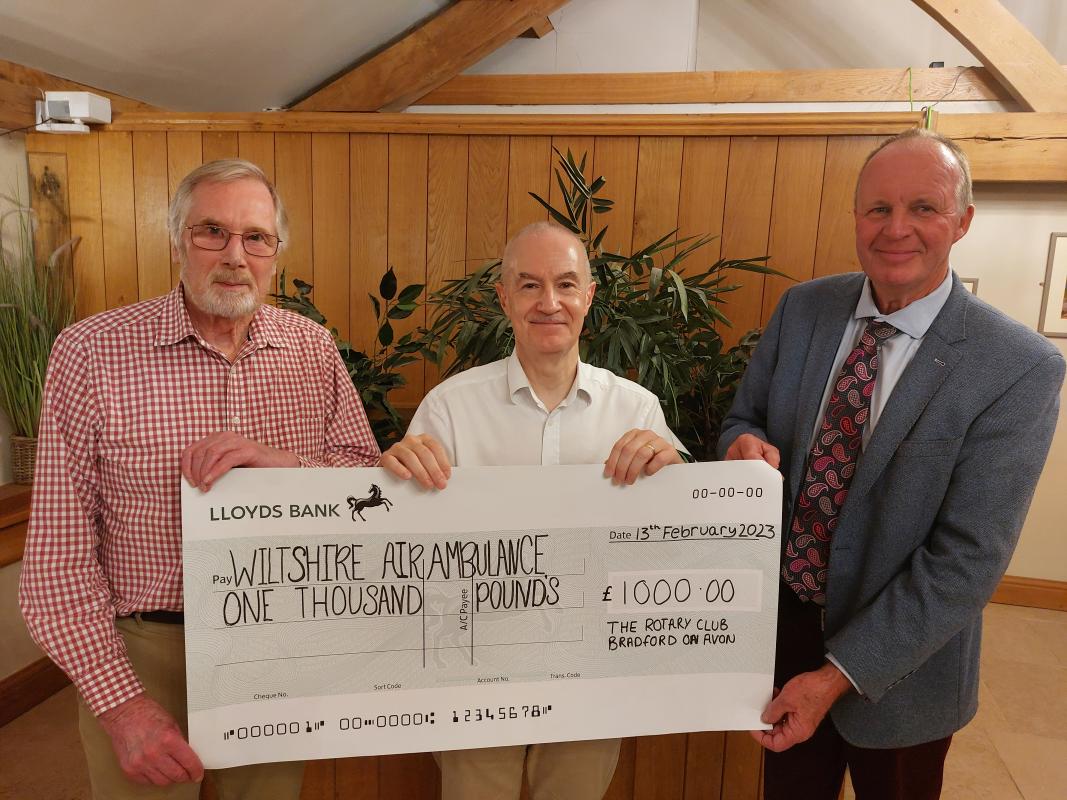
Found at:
<point>118,218</point>
<point>703,766</point>
<point>798,180</point>
<point>219,144</point>
<point>369,231</point>
<point>659,175</point>
<point>446,222</point>
<point>702,195</point>
<point>622,783</point>
<point>83,177</point>
<point>659,767</point>
<point>529,167</point>
<point>320,780</point>
<point>835,250</point>
<point>356,778</point>
<point>50,200</point>
<point>413,776</point>
<point>408,174</point>
<point>155,273</point>
<point>330,244</point>
<point>746,222</point>
<point>257,147</point>
<point>579,146</point>
<point>487,199</point>
<point>184,154</point>
<point>46,142</point>
<point>741,767</point>
<point>292,177</point>
<point>615,158</point>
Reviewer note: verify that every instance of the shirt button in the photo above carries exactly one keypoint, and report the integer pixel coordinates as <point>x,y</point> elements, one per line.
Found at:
<point>236,419</point>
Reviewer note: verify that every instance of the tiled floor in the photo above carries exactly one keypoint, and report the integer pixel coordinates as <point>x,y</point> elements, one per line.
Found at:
<point>1015,749</point>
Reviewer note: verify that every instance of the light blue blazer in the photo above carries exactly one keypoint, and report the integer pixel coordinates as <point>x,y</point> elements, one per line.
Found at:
<point>936,504</point>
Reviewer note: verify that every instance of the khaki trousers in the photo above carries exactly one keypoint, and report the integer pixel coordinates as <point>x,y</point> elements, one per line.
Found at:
<point>554,771</point>
<point>157,652</point>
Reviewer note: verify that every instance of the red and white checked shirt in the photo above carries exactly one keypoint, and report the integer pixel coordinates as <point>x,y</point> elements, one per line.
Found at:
<point>126,392</point>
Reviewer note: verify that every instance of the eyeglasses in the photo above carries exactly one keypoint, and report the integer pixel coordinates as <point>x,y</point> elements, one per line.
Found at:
<point>212,237</point>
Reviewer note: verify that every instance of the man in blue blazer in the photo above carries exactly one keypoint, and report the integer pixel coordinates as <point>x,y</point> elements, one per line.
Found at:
<point>951,412</point>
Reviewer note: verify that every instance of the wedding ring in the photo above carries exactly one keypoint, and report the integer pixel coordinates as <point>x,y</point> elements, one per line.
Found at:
<point>650,447</point>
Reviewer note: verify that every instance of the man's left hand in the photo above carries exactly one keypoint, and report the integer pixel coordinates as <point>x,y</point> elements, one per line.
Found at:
<point>639,451</point>
<point>207,460</point>
<point>796,711</point>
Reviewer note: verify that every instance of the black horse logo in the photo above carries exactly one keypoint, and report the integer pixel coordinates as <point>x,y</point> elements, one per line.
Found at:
<point>357,504</point>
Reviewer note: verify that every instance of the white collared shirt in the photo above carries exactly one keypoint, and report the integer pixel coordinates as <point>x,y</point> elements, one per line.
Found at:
<point>491,416</point>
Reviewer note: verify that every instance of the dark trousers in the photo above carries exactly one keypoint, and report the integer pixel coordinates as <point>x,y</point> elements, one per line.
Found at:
<point>815,769</point>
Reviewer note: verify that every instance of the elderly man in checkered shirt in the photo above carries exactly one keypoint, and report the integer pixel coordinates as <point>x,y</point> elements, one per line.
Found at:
<point>193,384</point>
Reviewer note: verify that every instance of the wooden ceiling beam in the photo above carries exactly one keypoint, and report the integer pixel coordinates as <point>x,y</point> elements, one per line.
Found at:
<point>539,30</point>
<point>786,86</point>
<point>1015,147</point>
<point>21,86</point>
<point>819,124</point>
<point>461,35</point>
<point>1006,48</point>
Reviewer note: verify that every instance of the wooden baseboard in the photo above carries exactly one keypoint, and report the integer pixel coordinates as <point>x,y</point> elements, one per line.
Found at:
<point>28,687</point>
<point>1032,592</point>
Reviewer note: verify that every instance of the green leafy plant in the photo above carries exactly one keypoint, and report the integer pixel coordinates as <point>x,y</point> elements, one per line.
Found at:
<point>652,318</point>
<point>36,303</point>
<point>377,374</point>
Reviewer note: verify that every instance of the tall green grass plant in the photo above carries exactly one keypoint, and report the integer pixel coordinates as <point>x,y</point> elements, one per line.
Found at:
<point>36,303</point>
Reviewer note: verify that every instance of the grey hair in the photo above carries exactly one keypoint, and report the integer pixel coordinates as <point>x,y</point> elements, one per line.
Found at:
<point>537,229</point>
<point>964,187</point>
<point>223,171</point>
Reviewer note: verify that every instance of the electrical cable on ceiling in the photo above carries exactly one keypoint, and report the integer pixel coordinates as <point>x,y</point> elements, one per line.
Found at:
<point>27,127</point>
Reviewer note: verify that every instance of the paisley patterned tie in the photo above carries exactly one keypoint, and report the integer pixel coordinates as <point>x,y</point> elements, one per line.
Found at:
<point>831,465</point>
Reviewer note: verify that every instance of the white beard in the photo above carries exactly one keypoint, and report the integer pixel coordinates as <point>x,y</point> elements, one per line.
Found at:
<point>220,302</point>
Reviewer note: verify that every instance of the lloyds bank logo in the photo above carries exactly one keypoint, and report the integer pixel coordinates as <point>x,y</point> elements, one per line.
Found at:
<point>358,504</point>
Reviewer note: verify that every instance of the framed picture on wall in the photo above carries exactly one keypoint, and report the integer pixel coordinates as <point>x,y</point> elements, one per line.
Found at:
<point>1053,321</point>
<point>970,284</point>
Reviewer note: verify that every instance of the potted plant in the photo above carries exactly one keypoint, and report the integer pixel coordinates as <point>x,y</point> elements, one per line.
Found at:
<point>36,303</point>
<point>653,319</point>
<point>377,374</point>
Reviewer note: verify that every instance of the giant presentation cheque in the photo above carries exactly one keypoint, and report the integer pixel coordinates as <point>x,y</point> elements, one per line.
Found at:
<point>341,612</point>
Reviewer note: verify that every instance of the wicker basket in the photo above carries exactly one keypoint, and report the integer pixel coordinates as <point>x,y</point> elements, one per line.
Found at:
<point>23,458</point>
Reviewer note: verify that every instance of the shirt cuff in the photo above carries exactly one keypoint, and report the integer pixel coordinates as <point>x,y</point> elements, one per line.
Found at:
<point>109,685</point>
<point>836,663</point>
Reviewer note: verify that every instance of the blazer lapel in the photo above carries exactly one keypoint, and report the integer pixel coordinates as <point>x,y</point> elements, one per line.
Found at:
<point>832,318</point>
<point>932,363</point>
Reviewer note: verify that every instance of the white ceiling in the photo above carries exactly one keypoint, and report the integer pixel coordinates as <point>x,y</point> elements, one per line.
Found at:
<point>245,55</point>
<point>202,55</point>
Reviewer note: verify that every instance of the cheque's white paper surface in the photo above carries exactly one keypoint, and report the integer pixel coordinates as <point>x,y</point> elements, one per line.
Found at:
<point>341,612</point>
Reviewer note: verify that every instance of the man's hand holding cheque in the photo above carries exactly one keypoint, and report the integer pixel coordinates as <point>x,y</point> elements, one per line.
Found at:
<point>422,458</point>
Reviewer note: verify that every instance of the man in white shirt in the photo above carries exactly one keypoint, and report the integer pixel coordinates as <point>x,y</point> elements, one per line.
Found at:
<point>541,405</point>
